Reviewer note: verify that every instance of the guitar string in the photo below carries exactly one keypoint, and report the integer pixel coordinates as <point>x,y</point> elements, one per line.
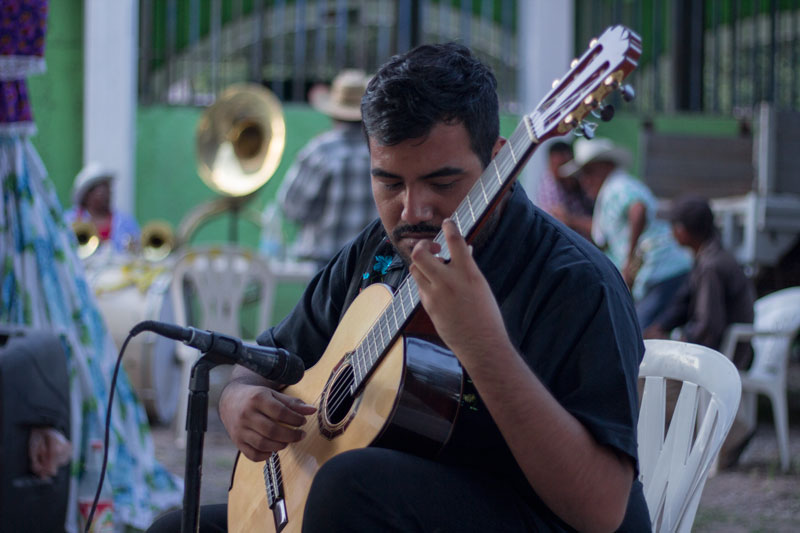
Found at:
<point>465,210</point>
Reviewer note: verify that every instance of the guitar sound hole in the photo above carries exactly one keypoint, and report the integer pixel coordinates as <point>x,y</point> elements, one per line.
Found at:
<point>339,399</point>
<point>338,402</point>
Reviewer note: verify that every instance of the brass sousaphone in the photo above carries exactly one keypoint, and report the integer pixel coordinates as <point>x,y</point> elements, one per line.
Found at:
<point>240,140</point>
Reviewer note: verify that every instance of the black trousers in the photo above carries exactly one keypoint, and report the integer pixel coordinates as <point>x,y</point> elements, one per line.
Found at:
<point>375,489</point>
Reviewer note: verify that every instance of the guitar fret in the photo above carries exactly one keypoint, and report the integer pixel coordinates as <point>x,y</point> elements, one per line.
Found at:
<point>379,331</point>
<point>511,150</point>
<point>457,220</point>
<point>373,356</point>
<point>402,305</point>
<point>471,211</point>
<point>360,367</point>
<point>497,172</point>
<point>413,294</point>
<point>388,332</point>
<point>483,189</point>
<point>394,314</point>
<point>529,128</point>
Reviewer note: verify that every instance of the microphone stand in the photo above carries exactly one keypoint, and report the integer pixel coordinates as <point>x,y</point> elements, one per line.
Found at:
<point>196,425</point>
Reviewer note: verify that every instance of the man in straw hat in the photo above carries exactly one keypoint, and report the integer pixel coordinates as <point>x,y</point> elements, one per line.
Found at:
<point>327,189</point>
<point>624,224</point>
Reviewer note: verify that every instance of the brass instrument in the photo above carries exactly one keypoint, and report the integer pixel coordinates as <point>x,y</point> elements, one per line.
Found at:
<point>157,240</point>
<point>88,238</point>
<point>240,140</point>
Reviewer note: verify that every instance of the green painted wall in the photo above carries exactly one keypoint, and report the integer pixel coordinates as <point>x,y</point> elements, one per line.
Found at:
<point>57,96</point>
<point>167,183</point>
<point>168,186</point>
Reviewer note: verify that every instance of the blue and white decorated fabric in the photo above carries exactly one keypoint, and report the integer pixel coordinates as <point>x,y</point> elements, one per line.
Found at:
<point>44,286</point>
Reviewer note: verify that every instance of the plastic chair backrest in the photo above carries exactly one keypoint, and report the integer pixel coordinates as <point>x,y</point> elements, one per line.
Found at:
<point>219,277</point>
<point>674,467</point>
<point>778,311</point>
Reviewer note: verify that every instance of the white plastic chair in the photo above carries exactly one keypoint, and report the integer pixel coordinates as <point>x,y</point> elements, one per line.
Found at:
<point>209,289</point>
<point>776,324</point>
<point>674,467</point>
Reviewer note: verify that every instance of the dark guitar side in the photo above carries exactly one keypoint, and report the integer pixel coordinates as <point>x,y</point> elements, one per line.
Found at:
<point>409,403</point>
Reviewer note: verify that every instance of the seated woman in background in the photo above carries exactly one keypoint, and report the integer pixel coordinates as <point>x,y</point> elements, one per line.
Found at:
<point>91,197</point>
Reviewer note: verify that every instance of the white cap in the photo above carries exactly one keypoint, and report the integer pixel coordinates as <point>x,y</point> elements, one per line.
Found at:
<point>89,176</point>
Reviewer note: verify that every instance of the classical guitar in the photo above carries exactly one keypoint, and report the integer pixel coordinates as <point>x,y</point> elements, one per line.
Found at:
<point>377,385</point>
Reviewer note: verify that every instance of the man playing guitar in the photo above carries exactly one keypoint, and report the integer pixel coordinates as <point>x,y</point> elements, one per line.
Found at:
<point>542,324</point>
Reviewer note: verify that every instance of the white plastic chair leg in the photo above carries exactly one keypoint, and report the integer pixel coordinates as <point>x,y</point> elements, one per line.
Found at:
<point>780,413</point>
<point>183,398</point>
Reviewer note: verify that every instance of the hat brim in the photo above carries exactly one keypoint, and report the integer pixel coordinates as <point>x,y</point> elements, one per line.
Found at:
<point>84,187</point>
<point>619,156</point>
<point>321,101</point>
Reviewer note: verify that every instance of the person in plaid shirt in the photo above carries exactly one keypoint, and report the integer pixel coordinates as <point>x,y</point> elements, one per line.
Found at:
<point>327,190</point>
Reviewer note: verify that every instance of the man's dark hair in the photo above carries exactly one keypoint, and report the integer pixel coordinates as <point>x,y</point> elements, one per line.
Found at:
<point>560,147</point>
<point>694,213</point>
<point>430,84</point>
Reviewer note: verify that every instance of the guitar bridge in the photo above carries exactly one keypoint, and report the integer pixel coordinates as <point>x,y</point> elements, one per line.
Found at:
<point>273,481</point>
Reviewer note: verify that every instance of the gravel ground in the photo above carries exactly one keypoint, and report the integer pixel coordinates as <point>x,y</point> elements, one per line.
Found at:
<point>752,497</point>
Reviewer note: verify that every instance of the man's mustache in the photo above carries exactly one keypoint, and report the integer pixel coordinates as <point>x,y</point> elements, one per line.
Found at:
<point>401,231</point>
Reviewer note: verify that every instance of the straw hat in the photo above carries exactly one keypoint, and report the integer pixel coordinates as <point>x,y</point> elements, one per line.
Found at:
<point>89,176</point>
<point>343,100</point>
<point>587,151</point>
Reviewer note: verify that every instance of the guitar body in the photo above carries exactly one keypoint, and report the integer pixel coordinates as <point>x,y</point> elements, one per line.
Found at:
<point>409,402</point>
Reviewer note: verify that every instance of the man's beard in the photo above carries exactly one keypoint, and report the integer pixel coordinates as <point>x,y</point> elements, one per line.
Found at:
<point>401,231</point>
<point>478,241</point>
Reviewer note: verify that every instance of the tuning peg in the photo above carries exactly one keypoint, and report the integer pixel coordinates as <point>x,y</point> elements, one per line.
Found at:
<point>606,113</point>
<point>628,94</point>
<point>585,129</point>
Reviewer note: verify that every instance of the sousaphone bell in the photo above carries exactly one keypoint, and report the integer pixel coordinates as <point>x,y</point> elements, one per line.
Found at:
<point>240,140</point>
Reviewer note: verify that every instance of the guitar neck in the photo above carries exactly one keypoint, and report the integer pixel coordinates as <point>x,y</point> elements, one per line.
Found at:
<point>470,214</point>
<point>599,71</point>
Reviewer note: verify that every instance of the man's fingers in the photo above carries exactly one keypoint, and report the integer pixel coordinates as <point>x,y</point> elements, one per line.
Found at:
<point>459,250</point>
<point>271,437</point>
<point>295,404</point>
<point>283,409</point>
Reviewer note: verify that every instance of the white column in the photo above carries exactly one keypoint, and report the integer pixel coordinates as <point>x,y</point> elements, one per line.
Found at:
<point>545,34</point>
<point>109,91</point>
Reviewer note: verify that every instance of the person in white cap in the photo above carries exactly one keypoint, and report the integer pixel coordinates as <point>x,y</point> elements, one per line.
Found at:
<point>91,198</point>
<point>327,190</point>
<point>625,225</point>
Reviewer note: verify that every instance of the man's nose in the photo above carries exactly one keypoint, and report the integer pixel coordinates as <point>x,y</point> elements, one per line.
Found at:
<point>416,207</point>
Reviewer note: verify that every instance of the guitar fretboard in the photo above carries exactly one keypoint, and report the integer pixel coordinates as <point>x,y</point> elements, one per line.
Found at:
<point>496,178</point>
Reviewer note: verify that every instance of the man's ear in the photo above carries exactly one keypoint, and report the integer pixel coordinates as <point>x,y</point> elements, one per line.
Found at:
<point>497,145</point>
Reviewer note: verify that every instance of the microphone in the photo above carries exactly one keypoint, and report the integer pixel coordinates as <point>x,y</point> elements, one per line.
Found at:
<point>275,364</point>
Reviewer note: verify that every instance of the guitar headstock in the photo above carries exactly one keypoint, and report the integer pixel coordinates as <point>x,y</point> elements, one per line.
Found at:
<point>592,77</point>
